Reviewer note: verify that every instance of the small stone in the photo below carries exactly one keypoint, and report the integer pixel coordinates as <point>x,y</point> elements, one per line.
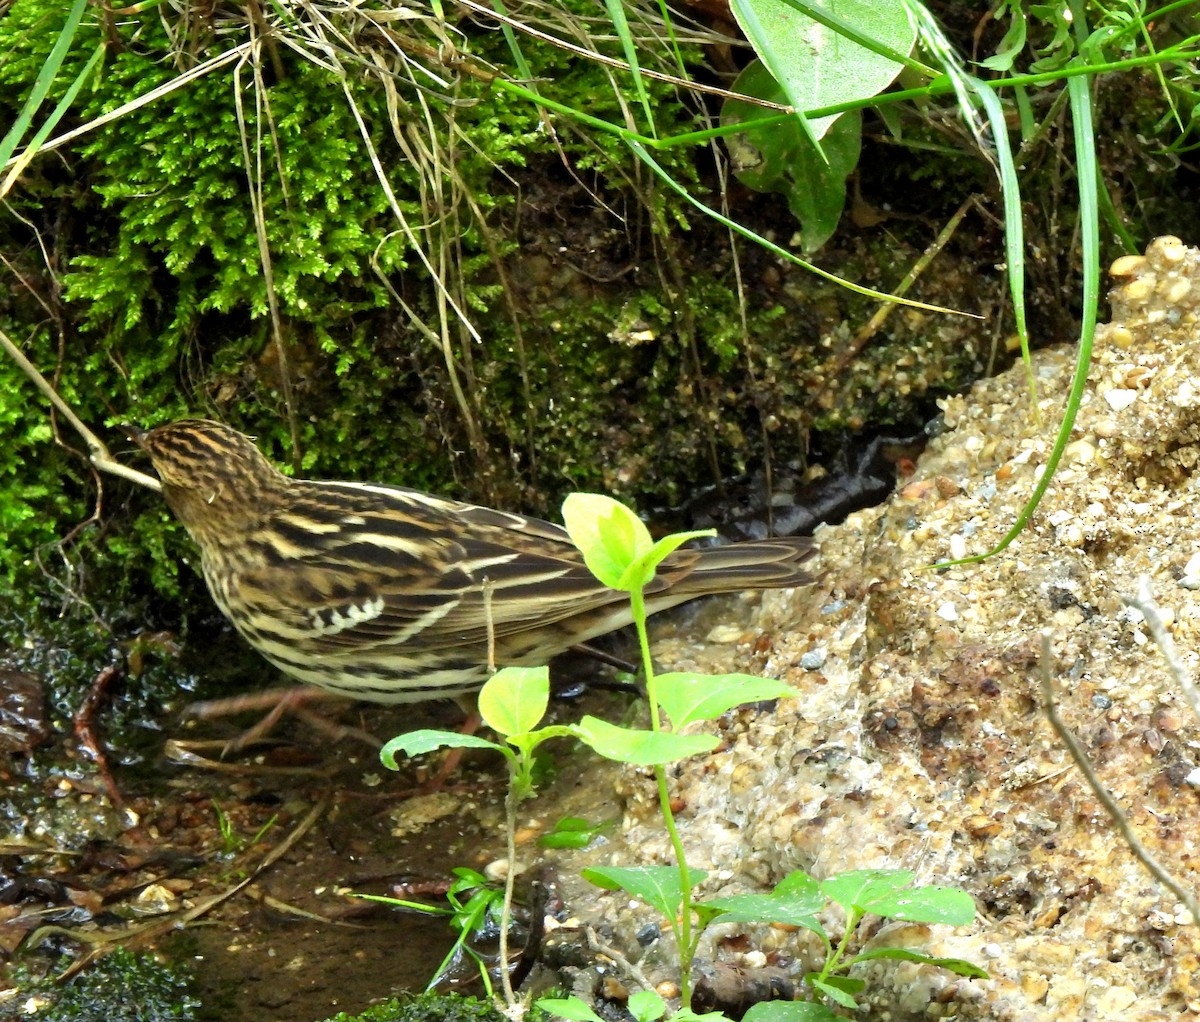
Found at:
<point>648,934</point>
<point>496,870</point>
<point>1127,266</point>
<point>1166,251</point>
<point>1119,398</point>
<point>813,660</point>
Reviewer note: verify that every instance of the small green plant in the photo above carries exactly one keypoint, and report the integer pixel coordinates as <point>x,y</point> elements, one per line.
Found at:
<point>482,904</point>
<point>620,552</point>
<point>798,900</point>
<point>231,841</point>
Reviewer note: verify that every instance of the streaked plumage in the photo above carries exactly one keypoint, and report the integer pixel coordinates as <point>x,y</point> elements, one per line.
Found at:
<point>378,592</point>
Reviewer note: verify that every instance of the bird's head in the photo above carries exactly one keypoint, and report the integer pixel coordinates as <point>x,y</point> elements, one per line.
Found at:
<point>211,474</point>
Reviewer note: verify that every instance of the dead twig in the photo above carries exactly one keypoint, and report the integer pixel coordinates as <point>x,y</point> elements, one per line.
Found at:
<point>1101,792</point>
<point>98,453</point>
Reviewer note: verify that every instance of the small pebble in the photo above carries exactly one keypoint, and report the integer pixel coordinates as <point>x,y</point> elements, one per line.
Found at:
<point>1120,398</point>
<point>813,660</point>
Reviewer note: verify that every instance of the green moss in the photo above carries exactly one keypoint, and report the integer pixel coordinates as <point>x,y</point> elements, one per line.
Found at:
<point>427,1008</point>
<point>120,987</point>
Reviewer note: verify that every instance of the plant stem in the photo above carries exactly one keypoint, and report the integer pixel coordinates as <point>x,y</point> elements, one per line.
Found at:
<point>682,926</point>
<point>511,800</point>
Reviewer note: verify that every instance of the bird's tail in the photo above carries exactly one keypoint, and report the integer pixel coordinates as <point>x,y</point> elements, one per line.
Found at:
<point>761,564</point>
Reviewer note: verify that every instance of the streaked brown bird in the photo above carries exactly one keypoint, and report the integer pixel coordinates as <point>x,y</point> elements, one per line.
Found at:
<point>378,592</point>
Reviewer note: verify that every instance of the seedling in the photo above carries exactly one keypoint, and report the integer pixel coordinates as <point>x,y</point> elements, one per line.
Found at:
<point>483,903</point>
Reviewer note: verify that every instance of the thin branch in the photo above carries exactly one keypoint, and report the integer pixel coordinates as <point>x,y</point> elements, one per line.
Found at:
<point>1144,604</point>
<point>98,453</point>
<point>1102,793</point>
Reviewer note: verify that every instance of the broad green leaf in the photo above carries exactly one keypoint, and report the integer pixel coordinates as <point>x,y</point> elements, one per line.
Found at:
<point>956,965</point>
<point>608,534</point>
<point>766,908</point>
<point>932,904</point>
<point>642,748</point>
<point>838,989</point>
<point>568,1007</point>
<point>815,65</point>
<point>657,886</point>
<point>797,884</point>
<point>691,697</point>
<point>781,158</point>
<point>467,879</point>
<point>417,743</point>
<point>646,1006</point>
<point>857,888</point>
<point>790,1011</point>
<point>514,699</point>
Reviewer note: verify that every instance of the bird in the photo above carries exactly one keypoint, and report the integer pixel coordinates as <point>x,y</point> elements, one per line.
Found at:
<point>392,595</point>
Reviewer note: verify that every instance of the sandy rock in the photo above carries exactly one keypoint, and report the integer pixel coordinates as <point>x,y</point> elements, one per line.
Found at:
<point>916,738</point>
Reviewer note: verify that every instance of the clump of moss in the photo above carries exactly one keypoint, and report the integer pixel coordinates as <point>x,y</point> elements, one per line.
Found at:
<point>120,987</point>
<point>427,1008</point>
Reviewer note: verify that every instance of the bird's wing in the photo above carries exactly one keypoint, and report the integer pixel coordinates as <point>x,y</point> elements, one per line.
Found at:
<point>351,566</point>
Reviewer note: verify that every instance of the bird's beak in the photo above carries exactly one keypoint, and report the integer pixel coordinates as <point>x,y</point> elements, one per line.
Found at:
<point>135,433</point>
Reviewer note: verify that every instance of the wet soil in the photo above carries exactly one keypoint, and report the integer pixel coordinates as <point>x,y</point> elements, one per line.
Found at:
<point>243,869</point>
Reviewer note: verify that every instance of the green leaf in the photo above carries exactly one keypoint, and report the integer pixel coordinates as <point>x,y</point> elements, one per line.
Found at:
<point>608,534</point>
<point>690,697</point>
<point>641,748</point>
<point>796,899</point>
<point>781,158</point>
<point>657,886</point>
<point>789,1011</point>
<point>646,1006</point>
<point>886,892</point>
<point>764,908</point>
<point>568,1007</point>
<point>641,570</point>
<point>817,66</point>
<point>417,743</point>
<point>956,965</point>
<point>514,699</point>
<point>1012,43</point>
<point>932,904</point>
<point>857,888</point>
<point>835,988</point>
<point>797,884</point>
<point>571,832</point>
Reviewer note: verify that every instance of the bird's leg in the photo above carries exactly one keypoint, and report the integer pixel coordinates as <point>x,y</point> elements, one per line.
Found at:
<point>279,701</point>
